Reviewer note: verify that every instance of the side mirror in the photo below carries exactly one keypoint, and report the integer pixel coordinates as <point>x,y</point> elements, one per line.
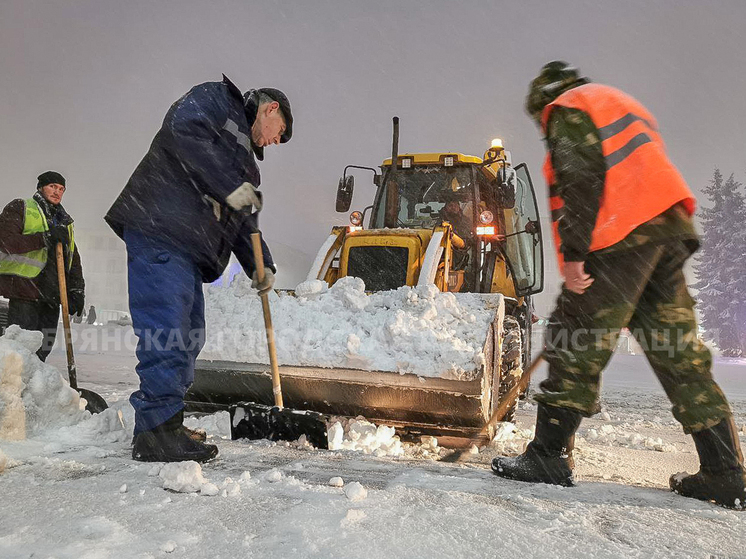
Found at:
<point>506,184</point>
<point>344,193</point>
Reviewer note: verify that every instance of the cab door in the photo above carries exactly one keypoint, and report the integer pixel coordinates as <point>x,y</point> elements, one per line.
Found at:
<point>523,243</point>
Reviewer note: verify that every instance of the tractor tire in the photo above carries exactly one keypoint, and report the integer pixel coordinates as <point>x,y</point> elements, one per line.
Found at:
<point>511,368</point>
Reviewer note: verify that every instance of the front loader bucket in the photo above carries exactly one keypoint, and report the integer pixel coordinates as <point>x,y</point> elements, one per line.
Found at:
<point>413,404</point>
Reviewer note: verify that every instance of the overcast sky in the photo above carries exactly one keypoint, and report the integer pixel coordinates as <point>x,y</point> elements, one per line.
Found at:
<point>85,85</point>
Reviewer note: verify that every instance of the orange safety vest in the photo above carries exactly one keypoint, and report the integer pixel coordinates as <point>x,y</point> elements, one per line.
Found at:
<point>640,183</point>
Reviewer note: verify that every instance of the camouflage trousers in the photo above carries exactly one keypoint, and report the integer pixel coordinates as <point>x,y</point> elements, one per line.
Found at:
<point>643,289</point>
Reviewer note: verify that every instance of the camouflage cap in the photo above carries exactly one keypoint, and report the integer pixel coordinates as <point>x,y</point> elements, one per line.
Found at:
<point>554,79</point>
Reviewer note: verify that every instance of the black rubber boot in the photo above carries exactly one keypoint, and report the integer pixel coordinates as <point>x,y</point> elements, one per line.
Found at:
<point>721,477</point>
<point>170,442</point>
<point>548,458</point>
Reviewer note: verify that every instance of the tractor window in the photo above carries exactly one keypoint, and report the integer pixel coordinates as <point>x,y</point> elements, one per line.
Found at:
<point>424,192</point>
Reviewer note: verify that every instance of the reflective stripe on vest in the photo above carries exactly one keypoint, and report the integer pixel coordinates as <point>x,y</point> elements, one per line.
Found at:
<point>30,264</point>
<point>640,181</point>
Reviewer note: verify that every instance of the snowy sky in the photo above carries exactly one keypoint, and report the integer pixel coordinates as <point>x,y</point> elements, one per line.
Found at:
<point>86,83</point>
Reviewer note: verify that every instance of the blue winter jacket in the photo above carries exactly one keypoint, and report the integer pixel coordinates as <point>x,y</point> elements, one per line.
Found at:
<point>177,194</point>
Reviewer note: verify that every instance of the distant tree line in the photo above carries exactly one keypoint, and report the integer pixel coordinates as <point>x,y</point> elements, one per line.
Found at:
<point>720,266</point>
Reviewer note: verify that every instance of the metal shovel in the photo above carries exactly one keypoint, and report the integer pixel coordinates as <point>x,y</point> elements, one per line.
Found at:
<point>250,420</point>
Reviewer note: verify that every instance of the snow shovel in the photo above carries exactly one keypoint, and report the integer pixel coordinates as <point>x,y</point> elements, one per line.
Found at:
<point>251,420</point>
<point>94,402</point>
<point>500,410</point>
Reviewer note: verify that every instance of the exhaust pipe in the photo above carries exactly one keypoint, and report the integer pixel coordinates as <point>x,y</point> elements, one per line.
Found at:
<point>392,190</point>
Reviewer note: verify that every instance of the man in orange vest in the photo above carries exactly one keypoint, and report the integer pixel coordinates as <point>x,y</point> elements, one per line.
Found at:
<point>621,215</point>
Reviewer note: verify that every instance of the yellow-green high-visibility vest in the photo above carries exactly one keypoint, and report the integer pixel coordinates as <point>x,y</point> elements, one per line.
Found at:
<point>30,264</point>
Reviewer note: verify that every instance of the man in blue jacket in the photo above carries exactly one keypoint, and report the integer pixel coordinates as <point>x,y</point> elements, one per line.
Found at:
<point>192,200</point>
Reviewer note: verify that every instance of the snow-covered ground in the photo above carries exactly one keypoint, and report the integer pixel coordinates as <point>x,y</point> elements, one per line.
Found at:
<point>70,489</point>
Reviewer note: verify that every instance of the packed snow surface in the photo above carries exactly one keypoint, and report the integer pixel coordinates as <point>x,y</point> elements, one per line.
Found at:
<point>70,488</point>
<point>416,330</point>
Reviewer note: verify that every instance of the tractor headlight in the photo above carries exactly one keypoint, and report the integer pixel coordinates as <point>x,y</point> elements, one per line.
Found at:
<point>406,163</point>
<point>486,230</point>
<point>448,161</point>
<point>486,217</point>
<point>356,218</point>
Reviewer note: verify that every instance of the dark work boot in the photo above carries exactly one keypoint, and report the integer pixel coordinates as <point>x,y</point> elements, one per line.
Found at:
<point>170,442</point>
<point>548,458</point>
<point>721,477</point>
<point>199,435</point>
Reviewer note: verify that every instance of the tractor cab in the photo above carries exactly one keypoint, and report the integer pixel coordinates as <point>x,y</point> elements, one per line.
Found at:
<point>487,205</point>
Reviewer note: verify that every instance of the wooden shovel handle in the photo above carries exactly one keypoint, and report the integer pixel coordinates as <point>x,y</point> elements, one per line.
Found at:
<point>500,410</point>
<point>71,371</point>
<point>256,245</point>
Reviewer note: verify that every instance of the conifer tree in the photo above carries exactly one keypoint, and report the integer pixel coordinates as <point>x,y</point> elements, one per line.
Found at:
<point>721,266</point>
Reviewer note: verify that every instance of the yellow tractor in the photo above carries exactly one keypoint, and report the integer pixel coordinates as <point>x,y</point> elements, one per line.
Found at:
<point>464,223</point>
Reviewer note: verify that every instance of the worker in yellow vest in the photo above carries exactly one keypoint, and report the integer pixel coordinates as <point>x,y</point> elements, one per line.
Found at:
<point>29,232</point>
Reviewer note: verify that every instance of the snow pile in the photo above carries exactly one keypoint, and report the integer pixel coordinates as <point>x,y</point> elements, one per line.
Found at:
<point>355,491</point>
<point>4,461</point>
<point>611,435</point>
<point>428,448</point>
<point>34,396</point>
<point>112,425</point>
<point>273,476</point>
<point>509,440</point>
<point>182,477</point>
<point>359,434</point>
<point>12,410</point>
<point>410,330</point>
<point>37,401</point>
<point>216,424</point>
<point>186,477</point>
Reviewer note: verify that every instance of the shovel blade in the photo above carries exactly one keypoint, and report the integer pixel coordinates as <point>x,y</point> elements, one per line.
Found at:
<point>94,402</point>
<point>257,421</point>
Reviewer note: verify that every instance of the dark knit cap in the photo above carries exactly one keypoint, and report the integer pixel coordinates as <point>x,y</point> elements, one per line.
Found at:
<point>50,177</point>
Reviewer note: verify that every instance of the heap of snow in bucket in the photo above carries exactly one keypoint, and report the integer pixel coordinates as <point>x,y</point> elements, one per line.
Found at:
<point>409,330</point>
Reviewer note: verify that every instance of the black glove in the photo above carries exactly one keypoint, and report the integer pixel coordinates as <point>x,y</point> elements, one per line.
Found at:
<point>58,234</point>
<point>76,302</point>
